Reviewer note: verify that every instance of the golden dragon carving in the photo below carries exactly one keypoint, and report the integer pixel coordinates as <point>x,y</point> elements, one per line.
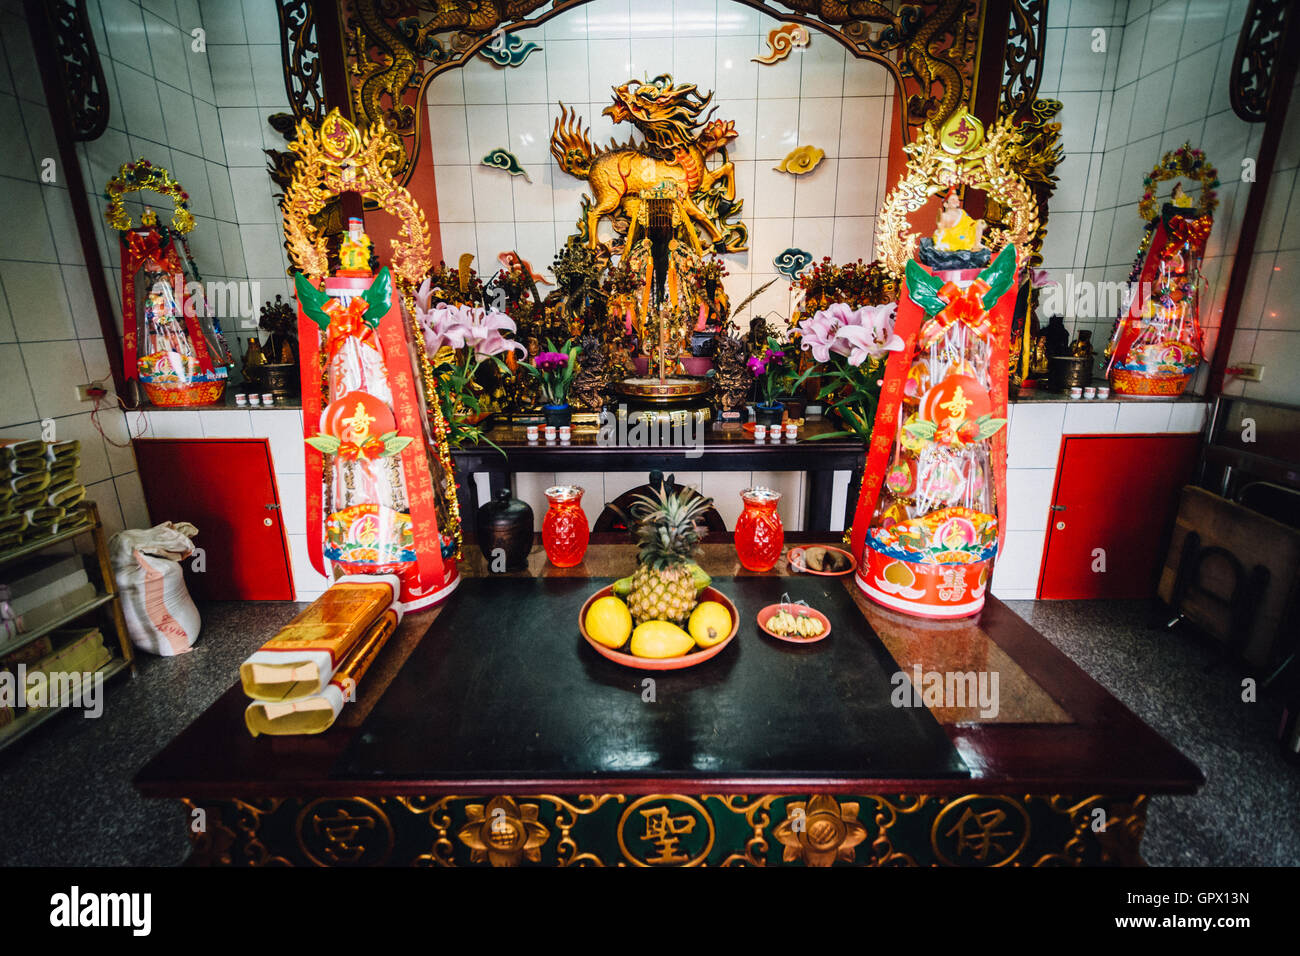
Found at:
<point>678,140</point>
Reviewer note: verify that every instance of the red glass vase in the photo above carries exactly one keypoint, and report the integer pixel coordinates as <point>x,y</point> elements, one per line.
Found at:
<point>759,532</point>
<point>564,529</point>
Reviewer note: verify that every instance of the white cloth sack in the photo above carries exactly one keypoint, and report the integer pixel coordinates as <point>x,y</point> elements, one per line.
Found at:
<point>160,614</point>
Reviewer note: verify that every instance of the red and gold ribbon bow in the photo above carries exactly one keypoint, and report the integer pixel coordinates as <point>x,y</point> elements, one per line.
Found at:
<point>372,447</point>
<point>347,322</point>
<point>1192,232</point>
<point>964,307</point>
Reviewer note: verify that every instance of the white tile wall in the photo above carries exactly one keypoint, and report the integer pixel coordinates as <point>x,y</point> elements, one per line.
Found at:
<point>818,96</point>
<point>49,334</point>
<point>1162,79</point>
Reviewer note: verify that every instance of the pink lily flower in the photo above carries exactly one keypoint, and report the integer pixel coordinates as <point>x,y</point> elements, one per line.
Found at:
<point>442,327</point>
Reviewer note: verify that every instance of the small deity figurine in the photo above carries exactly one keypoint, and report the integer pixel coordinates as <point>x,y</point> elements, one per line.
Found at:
<point>956,231</point>
<point>958,240</point>
<point>355,250</point>
<point>1179,198</point>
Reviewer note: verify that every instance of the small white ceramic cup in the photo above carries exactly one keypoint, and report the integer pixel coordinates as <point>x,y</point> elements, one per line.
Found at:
<point>532,433</point>
<point>254,399</point>
<point>268,398</point>
<point>1089,392</point>
<point>760,433</point>
<point>1076,392</point>
<point>1103,391</point>
<point>550,433</point>
<point>241,400</point>
<point>566,433</point>
<point>791,431</point>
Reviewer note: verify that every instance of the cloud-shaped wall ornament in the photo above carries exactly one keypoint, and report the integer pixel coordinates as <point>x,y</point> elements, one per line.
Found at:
<point>509,49</point>
<point>801,160</point>
<point>504,159</point>
<point>792,262</point>
<point>782,41</point>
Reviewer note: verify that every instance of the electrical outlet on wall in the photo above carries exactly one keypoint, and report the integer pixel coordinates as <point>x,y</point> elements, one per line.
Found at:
<point>91,392</point>
<point>1249,372</point>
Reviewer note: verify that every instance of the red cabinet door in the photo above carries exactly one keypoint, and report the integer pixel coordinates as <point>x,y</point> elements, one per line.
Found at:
<point>1114,505</point>
<point>226,489</point>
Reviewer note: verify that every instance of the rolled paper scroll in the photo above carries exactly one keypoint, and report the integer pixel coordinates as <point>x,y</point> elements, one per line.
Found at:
<point>11,448</point>
<point>300,661</point>
<point>317,713</point>
<point>61,450</point>
<point>33,481</point>
<point>66,496</point>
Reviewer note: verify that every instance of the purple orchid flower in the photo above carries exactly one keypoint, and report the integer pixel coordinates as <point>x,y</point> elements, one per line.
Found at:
<point>551,361</point>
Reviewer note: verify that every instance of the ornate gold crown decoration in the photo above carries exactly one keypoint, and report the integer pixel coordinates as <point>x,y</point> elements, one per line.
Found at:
<point>340,158</point>
<point>136,177</point>
<point>961,153</point>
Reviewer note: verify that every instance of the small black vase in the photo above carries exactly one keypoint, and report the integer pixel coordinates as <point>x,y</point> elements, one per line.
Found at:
<point>558,415</point>
<point>505,523</point>
<point>769,414</point>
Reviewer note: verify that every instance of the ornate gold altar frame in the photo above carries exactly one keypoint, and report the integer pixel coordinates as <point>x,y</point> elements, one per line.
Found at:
<point>938,161</point>
<point>392,56</point>
<point>341,158</point>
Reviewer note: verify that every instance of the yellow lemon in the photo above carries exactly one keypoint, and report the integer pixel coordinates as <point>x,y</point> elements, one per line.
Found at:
<point>609,622</point>
<point>710,623</point>
<point>660,639</point>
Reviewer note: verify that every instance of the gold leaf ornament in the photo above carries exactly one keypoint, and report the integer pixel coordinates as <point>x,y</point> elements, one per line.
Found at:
<point>801,160</point>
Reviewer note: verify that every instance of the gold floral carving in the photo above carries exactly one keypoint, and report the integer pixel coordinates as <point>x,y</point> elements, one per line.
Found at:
<point>340,158</point>
<point>821,831</point>
<point>503,832</point>
<point>932,169</point>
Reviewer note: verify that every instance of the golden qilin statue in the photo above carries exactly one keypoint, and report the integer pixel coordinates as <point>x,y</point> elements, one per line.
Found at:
<point>679,138</point>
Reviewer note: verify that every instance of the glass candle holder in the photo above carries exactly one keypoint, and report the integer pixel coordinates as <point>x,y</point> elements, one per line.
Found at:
<point>564,529</point>
<point>759,532</point>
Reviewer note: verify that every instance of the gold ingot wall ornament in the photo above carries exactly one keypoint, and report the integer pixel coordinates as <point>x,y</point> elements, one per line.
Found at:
<point>801,160</point>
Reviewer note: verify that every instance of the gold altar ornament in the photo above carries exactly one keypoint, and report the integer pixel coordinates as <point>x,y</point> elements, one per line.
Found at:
<point>782,41</point>
<point>679,142</point>
<point>503,832</point>
<point>988,163</point>
<point>138,176</point>
<point>801,160</point>
<point>342,158</point>
<point>820,831</point>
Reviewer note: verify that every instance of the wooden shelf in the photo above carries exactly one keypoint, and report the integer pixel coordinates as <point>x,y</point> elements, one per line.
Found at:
<point>35,716</point>
<point>112,622</point>
<point>40,544</point>
<point>26,637</point>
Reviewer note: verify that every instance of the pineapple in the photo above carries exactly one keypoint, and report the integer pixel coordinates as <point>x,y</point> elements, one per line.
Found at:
<point>668,536</point>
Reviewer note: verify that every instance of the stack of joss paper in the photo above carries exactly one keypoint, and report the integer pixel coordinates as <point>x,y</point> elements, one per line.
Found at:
<point>39,491</point>
<point>300,679</point>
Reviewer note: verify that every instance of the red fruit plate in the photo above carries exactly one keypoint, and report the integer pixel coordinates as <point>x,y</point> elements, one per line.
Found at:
<point>798,610</point>
<point>795,558</point>
<point>689,659</point>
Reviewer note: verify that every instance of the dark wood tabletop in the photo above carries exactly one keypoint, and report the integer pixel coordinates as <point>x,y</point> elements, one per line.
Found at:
<point>1057,730</point>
